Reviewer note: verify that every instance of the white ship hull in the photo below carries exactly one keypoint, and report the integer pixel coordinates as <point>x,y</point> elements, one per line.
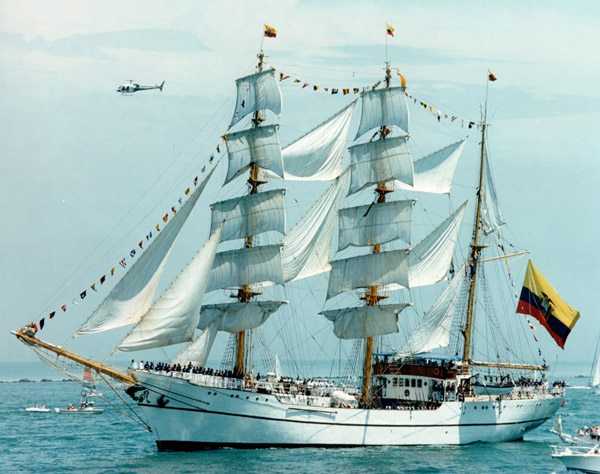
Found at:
<point>185,416</point>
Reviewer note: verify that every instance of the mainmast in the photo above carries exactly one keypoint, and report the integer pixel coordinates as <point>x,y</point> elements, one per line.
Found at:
<point>244,294</point>
<point>475,250</point>
<point>371,297</point>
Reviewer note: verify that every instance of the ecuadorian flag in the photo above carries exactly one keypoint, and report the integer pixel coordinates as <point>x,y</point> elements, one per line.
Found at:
<point>270,32</point>
<point>541,301</point>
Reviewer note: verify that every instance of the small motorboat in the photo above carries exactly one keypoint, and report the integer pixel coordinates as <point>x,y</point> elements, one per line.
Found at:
<point>84,407</point>
<point>578,458</point>
<point>36,409</point>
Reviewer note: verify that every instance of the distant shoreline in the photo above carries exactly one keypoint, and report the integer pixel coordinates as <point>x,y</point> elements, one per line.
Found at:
<point>26,380</point>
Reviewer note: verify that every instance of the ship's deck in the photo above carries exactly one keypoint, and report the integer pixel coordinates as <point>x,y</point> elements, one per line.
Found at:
<point>328,394</point>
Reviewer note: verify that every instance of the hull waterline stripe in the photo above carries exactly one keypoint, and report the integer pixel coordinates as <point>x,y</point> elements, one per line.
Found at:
<point>168,445</point>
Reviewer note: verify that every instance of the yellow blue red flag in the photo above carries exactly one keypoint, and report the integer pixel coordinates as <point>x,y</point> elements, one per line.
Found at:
<point>390,30</point>
<point>541,301</point>
<point>270,32</point>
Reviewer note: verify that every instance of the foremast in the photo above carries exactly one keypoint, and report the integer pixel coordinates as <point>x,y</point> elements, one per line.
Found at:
<point>371,297</point>
<point>245,294</point>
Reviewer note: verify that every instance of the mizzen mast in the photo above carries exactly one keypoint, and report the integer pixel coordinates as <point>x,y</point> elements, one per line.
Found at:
<point>475,249</point>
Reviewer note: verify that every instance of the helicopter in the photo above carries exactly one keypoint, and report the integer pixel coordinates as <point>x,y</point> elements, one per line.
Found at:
<point>131,86</point>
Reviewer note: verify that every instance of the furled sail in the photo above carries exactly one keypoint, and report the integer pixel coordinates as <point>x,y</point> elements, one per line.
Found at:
<point>434,172</point>
<point>236,317</point>
<point>433,331</point>
<point>256,145</point>
<point>131,298</point>
<point>383,107</point>
<point>250,215</point>
<point>317,156</point>
<point>198,351</point>
<point>491,214</point>
<point>173,318</point>
<point>307,245</point>
<point>258,91</point>
<point>374,269</point>
<point>380,161</point>
<point>246,266</point>
<point>375,224</point>
<point>365,321</point>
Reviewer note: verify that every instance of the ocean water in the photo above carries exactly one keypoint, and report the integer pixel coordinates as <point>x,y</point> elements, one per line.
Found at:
<point>113,443</point>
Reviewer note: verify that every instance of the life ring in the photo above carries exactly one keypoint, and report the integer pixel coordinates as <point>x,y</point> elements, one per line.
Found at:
<point>436,371</point>
<point>406,392</point>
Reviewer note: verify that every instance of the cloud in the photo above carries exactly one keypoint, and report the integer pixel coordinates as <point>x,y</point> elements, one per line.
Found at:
<point>96,45</point>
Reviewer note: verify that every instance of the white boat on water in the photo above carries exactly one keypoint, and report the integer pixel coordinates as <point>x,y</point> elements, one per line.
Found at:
<point>595,376</point>
<point>408,397</point>
<point>86,408</point>
<point>579,458</point>
<point>38,409</point>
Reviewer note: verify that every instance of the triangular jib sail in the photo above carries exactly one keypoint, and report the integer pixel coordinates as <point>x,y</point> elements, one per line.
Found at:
<point>132,297</point>
<point>172,319</point>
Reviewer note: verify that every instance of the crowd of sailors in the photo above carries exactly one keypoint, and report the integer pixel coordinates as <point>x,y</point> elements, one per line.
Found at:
<point>230,379</point>
<point>178,368</point>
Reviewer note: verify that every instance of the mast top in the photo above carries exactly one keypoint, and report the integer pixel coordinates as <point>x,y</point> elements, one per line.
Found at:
<point>260,57</point>
<point>388,75</point>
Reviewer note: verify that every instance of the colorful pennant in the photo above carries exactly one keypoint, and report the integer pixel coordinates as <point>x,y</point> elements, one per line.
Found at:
<point>33,328</point>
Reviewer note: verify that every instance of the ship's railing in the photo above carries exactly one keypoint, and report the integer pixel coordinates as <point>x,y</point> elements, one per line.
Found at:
<point>531,392</point>
<point>319,393</point>
<point>311,390</point>
<point>559,451</point>
<point>535,391</point>
<point>304,400</point>
<point>206,380</point>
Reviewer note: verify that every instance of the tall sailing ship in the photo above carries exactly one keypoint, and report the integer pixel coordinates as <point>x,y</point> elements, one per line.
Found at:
<point>408,396</point>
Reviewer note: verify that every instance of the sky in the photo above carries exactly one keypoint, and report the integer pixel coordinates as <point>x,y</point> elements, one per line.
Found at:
<point>86,171</point>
